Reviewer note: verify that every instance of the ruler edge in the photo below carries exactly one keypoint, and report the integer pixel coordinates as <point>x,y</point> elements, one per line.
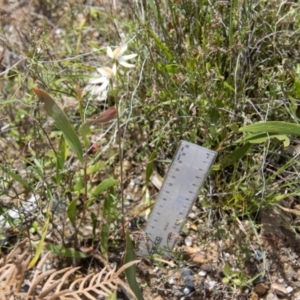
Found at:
<point>215,153</point>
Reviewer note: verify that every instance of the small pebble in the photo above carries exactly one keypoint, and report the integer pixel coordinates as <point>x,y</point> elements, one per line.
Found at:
<point>289,289</point>
<point>186,291</point>
<point>188,281</point>
<point>271,297</point>
<point>128,197</point>
<point>192,216</point>
<point>58,31</point>
<point>278,289</point>
<point>206,267</point>
<point>202,273</point>
<point>127,203</point>
<point>258,255</point>
<point>211,284</point>
<point>260,288</point>
<point>188,241</point>
<point>186,273</point>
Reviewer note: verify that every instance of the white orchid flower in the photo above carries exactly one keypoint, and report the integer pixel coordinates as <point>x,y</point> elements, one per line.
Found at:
<point>117,55</point>
<point>106,75</point>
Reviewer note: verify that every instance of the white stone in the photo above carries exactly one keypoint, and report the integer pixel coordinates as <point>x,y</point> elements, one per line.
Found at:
<point>211,284</point>
<point>192,216</point>
<point>188,241</point>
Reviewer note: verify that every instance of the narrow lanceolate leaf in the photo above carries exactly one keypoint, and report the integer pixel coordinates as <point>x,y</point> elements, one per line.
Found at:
<point>41,242</point>
<point>233,157</point>
<point>103,118</point>
<point>15,176</point>
<point>274,127</point>
<point>258,138</point>
<point>60,159</point>
<point>149,168</point>
<point>72,211</point>
<point>131,271</point>
<point>61,122</point>
<point>66,252</point>
<point>103,186</point>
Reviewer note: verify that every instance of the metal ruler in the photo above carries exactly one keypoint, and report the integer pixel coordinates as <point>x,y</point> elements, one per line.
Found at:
<point>187,173</point>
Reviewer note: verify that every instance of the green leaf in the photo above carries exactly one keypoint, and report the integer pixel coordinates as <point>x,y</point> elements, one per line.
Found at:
<point>15,176</point>
<point>104,239</point>
<point>237,281</point>
<point>104,185</point>
<point>60,159</point>
<point>108,207</point>
<point>233,157</point>
<point>95,168</point>
<point>61,122</point>
<point>41,242</point>
<point>131,271</point>
<point>79,185</point>
<point>149,167</point>
<point>259,138</point>
<point>72,211</point>
<point>273,127</point>
<point>66,252</point>
<point>172,68</point>
<point>94,222</point>
<point>112,296</point>
<point>225,280</point>
<point>85,131</point>
<point>226,269</point>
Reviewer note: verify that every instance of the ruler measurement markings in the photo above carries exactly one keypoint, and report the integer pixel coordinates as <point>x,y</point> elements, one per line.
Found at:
<point>186,175</point>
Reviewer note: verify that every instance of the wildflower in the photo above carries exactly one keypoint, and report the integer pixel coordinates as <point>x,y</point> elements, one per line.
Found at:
<point>99,86</point>
<point>106,75</point>
<point>117,55</point>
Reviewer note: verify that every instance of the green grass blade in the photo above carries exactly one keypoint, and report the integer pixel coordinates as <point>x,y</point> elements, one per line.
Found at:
<point>131,271</point>
<point>163,47</point>
<point>61,122</point>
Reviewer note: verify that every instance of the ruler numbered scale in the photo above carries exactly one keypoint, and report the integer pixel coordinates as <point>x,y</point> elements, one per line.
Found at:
<point>188,171</point>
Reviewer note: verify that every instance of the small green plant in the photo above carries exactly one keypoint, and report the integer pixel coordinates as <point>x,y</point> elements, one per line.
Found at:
<point>236,278</point>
